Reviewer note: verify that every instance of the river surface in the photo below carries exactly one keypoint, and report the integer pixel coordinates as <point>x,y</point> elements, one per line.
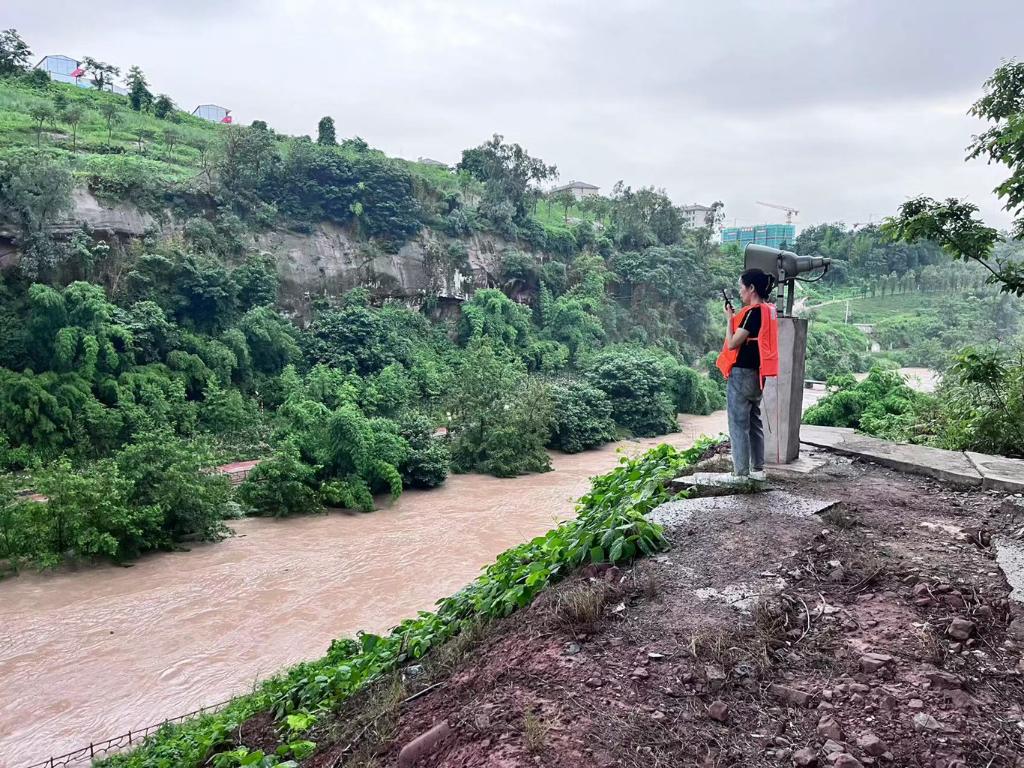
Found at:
<point>88,654</point>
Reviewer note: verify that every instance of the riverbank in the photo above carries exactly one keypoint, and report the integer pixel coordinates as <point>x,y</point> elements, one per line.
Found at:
<point>96,652</point>
<point>778,629</point>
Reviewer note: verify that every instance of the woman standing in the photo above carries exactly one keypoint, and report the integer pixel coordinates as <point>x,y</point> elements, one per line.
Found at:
<point>749,356</point>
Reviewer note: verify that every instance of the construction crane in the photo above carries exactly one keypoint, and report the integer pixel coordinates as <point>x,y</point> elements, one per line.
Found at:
<point>790,212</point>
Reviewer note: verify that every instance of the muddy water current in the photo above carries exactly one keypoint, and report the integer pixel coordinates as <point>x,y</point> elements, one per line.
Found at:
<point>88,654</point>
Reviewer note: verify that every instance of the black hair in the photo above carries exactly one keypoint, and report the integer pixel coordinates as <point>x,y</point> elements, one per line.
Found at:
<point>760,281</point>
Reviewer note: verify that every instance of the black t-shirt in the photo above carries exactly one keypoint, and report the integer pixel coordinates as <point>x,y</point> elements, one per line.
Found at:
<point>750,354</point>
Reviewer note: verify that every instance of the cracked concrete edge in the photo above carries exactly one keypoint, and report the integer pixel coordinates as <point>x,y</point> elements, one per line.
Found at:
<point>995,479</point>
<point>836,441</point>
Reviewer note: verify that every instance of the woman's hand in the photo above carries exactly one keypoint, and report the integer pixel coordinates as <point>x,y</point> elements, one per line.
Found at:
<point>729,312</point>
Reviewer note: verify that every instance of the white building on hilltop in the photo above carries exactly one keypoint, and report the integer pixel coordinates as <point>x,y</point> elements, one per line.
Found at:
<point>64,69</point>
<point>579,189</point>
<point>695,216</point>
<point>213,112</point>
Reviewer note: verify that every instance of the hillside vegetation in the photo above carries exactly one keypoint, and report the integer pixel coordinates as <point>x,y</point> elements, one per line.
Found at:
<point>976,341</point>
<point>129,366</point>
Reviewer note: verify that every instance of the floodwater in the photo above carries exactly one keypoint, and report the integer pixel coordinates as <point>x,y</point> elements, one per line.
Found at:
<point>88,654</point>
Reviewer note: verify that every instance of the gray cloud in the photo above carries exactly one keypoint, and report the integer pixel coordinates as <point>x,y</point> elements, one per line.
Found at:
<point>842,108</point>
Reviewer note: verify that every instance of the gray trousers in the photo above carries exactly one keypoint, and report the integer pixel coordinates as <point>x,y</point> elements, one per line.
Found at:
<point>743,401</point>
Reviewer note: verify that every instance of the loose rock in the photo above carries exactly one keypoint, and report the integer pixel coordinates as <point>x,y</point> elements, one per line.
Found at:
<point>805,758</point>
<point>719,711</point>
<point>872,662</point>
<point>960,629</point>
<point>925,722</point>
<point>423,745</point>
<point>828,728</point>
<point>794,697</point>
<point>871,744</point>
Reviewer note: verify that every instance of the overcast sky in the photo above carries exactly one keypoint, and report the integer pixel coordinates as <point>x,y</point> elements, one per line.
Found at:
<point>840,108</point>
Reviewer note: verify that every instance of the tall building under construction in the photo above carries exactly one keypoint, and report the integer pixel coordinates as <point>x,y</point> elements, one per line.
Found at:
<point>772,235</point>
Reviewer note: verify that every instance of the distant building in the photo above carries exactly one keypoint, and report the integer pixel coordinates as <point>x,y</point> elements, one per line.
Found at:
<point>579,189</point>
<point>64,69</point>
<point>431,162</point>
<point>213,113</point>
<point>695,216</point>
<point>772,235</point>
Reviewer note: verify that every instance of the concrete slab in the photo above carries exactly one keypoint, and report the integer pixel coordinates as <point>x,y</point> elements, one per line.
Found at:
<point>948,466</point>
<point>809,461</point>
<point>678,513</point>
<point>998,473</point>
<point>716,484</point>
<point>1010,557</point>
<point>824,437</point>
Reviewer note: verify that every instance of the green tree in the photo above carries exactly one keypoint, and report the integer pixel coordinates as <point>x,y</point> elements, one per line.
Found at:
<point>954,223</point>
<point>163,106</point>
<point>72,118</point>
<point>112,115</point>
<point>508,173</point>
<point>636,383</point>
<point>35,189</point>
<point>429,456</point>
<point>644,217</point>
<point>499,418</point>
<point>101,74</point>
<point>139,96</point>
<point>14,52</point>
<point>257,281</point>
<point>170,475</point>
<point>567,200</point>
<point>325,132</point>
<point>281,485</point>
<point>581,416</point>
<point>171,138</point>
<point>492,315</point>
<point>41,114</point>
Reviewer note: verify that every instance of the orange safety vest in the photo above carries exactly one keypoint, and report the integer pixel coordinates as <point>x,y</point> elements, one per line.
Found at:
<point>767,342</point>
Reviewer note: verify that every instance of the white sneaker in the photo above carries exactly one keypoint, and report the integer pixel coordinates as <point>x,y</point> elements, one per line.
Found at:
<point>759,475</point>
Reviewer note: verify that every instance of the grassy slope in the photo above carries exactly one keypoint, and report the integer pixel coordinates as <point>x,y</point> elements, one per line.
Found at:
<point>871,310</point>
<point>18,129</point>
<point>100,149</point>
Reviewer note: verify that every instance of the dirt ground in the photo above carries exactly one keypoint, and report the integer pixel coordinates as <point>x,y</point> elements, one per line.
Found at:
<point>877,632</point>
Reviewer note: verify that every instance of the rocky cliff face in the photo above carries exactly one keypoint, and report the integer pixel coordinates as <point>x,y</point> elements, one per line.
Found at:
<point>327,261</point>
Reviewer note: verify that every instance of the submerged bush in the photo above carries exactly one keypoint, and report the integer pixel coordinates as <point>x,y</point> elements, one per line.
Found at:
<point>581,416</point>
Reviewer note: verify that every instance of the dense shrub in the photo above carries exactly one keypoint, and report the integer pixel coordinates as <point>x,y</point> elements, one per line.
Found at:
<point>429,456</point>
<point>499,418</point>
<point>581,416</point>
<point>693,392</point>
<point>835,348</point>
<point>638,387</point>
<point>152,495</point>
<point>981,402</point>
<point>281,485</point>
<point>882,405</point>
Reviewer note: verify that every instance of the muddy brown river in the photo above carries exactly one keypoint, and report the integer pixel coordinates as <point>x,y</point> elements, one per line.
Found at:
<point>88,654</point>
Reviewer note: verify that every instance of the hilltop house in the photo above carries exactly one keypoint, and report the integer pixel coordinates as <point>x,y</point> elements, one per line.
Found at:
<point>213,113</point>
<point>695,216</point>
<point>64,69</point>
<point>578,189</point>
<point>431,162</point>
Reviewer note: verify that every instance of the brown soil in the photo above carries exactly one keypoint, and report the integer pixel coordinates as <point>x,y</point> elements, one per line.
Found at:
<point>749,643</point>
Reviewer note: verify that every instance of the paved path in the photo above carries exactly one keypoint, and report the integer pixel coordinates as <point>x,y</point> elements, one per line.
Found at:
<point>996,473</point>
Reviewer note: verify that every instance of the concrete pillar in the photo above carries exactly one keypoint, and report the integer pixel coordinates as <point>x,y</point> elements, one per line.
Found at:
<point>782,406</point>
